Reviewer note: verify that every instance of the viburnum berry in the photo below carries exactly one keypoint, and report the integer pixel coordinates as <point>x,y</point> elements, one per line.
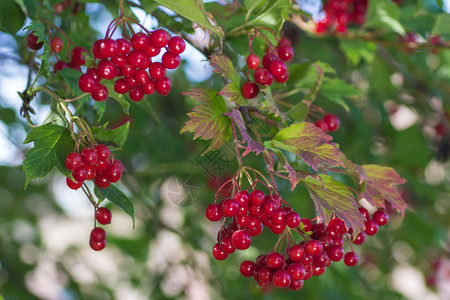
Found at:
<point>86,83</point>
<point>322,125</point>
<point>159,38</point>
<point>296,285</point>
<point>277,68</point>
<point>59,65</point>
<point>285,52</point>
<point>32,41</point>
<point>380,217</point>
<point>113,173</point>
<point>73,161</point>
<point>213,213</point>
<point>351,259</point>
<point>80,173</point>
<point>100,93</point>
<point>268,59</point>
<point>296,253</point>
<point>229,207</point>
<point>98,235</point>
<point>140,41</point>
<point>241,239</point>
<point>307,224</point>
<point>170,60</point>
<point>123,46</point>
<point>136,94</point>
<point>97,246</point>
<point>278,217</point>
<point>250,90</point>
<point>108,48</point>
<point>148,88</point>
<point>253,61</point>
<point>91,171</point>
<point>101,181</point>
<point>176,45</point>
<point>103,215</point>
<point>152,50</point>
<point>371,227</point>
<point>106,69</point>
<point>242,197</point>
<point>281,278</point>
<point>89,156</point>
<point>157,70</point>
<point>162,86</point>
<point>74,185</point>
<point>246,268</point>
<point>120,86</point>
<point>56,44</point>
<point>218,253</point>
<point>274,260</point>
<point>262,76</point>
<point>335,252</point>
<point>77,56</point>
<point>265,275</point>
<point>293,219</point>
<point>296,270</point>
<point>360,238</point>
<point>313,247</point>
<point>226,245</point>
<point>332,122</point>
<point>364,212</point>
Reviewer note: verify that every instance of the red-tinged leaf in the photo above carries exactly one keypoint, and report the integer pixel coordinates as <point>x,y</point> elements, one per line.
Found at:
<point>381,185</point>
<point>207,120</point>
<point>332,197</point>
<point>252,145</point>
<point>310,143</point>
<point>224,66</point>
<point>354,170</point>
<point>270,105</point>
<point>294,176</point>
<point>233,93</point>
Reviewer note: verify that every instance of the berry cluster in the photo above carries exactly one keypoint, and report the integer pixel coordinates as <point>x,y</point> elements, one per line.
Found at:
<point>274,67</point>
<point>330,122</point>
<point>97,239</point>
<point>321,245</point>
<point>129,63</point>
<point>93,164</point>
<point>339,14</point>
<point>32,42</point>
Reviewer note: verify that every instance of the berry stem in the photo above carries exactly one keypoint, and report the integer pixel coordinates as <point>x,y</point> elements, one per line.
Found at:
<point>88,194</point>
<point>236,148</point>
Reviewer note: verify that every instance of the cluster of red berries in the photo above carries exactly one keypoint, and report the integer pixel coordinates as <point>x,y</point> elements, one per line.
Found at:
<point>93,164</point>
<point>330,122</point>
<point>321,245</point>
<point>250,213</point>
<point>97,239</point>
<point>127,60</point>
<point>339,14</point>
<point>274,67</point>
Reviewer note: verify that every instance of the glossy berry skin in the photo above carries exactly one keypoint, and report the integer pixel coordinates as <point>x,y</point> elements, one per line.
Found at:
<point>336,228</point>
<point>86,83</point>
<point>262,76</point>
<point>381,217</point>
<point>73,161</point>
<point>213,213</point>
<point>257,197</point>
<point>103,152</point>
<point>226,245</point>
<point>74,185</point>
<point>98,235</point>
<point>229,207</point>
<point>140,41</point>
<point>97,246</point>
<point>351,259</point>
<point>157,70</point>
<point>101,181</point>
<point>285,53</point>
<point>136,94</point>
<point>159,38</point>
<point>332,122</point>
<point>241,239</point>
<point>322,125</point>
<point>108,48</point>
<point>123,46</point>
<point>242,197</point>
<point>335,253</point>
<point>106,69</point>
<point>89,156</point>
<point>360,238</point>
<point>279,217</point>
<point>293,219</point>
<point>59,65</point>
<point>313,247</point>
<point>281,279</point>
<point>277,68</point>
<point>77,56</point>
<point>94,74</point>
<point>112,173</point>
<point>170,60</point>
<point>364,212</point>
<point>100,93</point>
<point>176,45</point>
<point>103,215</point>
<point>250,90</point>
<point>90,172</point>
<point>96,49</point>
<point>307,224</point>
<point>148,88</point>
<point>253,61</point>
<point>371,227</point>
<point>274,260</point>
<point>218,253</point>
<point>296,253</point>
<point>80,173</point>
<point>268,59</point>
<point>56,44</point>
<point>162,86</point>
<point>246,268</point>
<point>32,42</point>
<point>120,86</point>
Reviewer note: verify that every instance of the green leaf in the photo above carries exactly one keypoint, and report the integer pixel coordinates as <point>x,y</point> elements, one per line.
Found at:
<point>381,186</point>
<point>271,15</point>
<point>442,25</point>
<point>294,176</point>
<point>7,115</point>
<point>71,77</point>
<point>115,137</point>
<point>332,197</point>
<point>192,10</point>
<point>384,14</point>
<point>356,50</point>
<point>207,120</point>
<point>269,104</point>
<point>124,104</point>
<point>52,143</point>
<point>117,197</point>
<point>100,108</point>
<point>224,66</point>
<point>11,17</point>
<point>336,89</point>
<point>309,143</point>
<point>40,32</point>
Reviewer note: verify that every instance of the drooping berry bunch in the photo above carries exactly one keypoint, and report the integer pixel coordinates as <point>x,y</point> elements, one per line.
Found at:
<point>273,68</point>
<point>97,239</point>
<point>93,164</point>
<point>322,244</point>
<point>128,62</point>
<point>339,14</point>
<point>330,122</point>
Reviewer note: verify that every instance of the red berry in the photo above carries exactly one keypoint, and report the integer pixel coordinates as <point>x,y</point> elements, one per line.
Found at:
<point>170,60</point>
<point>98,235</point>
<point>279,217</point>
<point>59,65</point>
<point>269,207</point>
<point>313,247</point>
<point>103,152</point>
<point>119,164</point>
<point>332,122</point>
<point>307,224</point>
<point>285,52</point>
<point>139,41</point>
<point>364,212</point>
<point>360,238</point>
<point>297,271</point>
<point>277,68</point>
<point>141,76</point>
<point>89,156</point>
<point>218,253</point>
<point>106,69</point>
<point>242,198</point>
<point>100,93</point>
<point>101,181</point>
<point>281,279</point>
<point>213,213</point>
<point>229,207</point>
<point>253,61</point>
<point>226,245</point>
<point>241,239</point>
<point>255,210</point>
<point>162,86</point>
<point>131,82</point>
<point>336,228</point>
<point>56,44</point>
<point>86,83</point>
<point>94,74</point>
<point>371,227</point>
<point>293,219</point>
<point>176,45</point>
<point>282,78</point>
<point>262,76</point>
<point>274,260</point>
<point>73,161</point>
<point>246,268</point>
<point>74,185</point>
<point>296,253</point>
<point>136,58</point>
<point>335,252</point>
<point>250,90</point>
<point>96,49</point>
<point>268,59</point>
<point>90,172</point>
<point>351,259</point>
<point>152,50</point>
<point>322,125</point>
<point>257,197</point>
<point>265,275</point>
<point>254,226</point>
<point>103,215</point>
<point>123,46</point>
<point>159,38</point>
<point>381,217</point>
<point>108,48</point>
<point>148,88</point>
<point>120,86</point>
<point>157,70</point>
<point>77,56</point>
<point>80,173</point>
<point>113,173</point>
<point>119,60</point>
<point>136,94</point>
<point>97,246</point>
<point>296,284</point>
<point>127,70</point>
<point>32,42</point>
